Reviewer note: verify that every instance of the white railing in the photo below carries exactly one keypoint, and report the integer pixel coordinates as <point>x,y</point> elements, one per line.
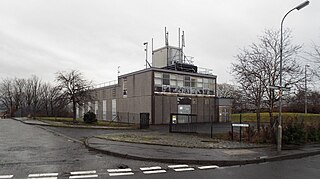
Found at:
<point>205,71</point>
<point>109,83</point>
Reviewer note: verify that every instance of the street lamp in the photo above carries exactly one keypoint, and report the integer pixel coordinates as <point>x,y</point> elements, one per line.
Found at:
<point>279,137</point>
<point>305,90</point>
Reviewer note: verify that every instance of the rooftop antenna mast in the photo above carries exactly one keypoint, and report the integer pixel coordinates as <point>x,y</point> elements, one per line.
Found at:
<point>118,72</point>
<point>146,49</point>
<point>182,45</point>
<point>179,37</point>
<point>166,33</point>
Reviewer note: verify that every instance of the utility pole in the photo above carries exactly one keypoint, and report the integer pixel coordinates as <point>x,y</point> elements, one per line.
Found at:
<point>305,90</point>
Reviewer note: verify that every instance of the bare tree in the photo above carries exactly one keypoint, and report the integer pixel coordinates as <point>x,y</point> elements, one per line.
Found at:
<point>52,100</point>
<point>225,90</point>
<point>257,67</point>
<point>18,93</point>
<point>75,88</point>
<point>6,95</point>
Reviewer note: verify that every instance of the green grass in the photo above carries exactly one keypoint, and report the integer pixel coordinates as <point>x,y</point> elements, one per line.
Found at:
<point>296,117</point>
<point>80,121</point>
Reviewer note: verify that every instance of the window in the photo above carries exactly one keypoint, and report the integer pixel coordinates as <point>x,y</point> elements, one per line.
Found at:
<point>158,79</point>
<point>173,76</point>
<point>179,80</point>
<point>124,86</point>
<point>166,79</point>
<point>186,81</point>
<point>193,82</point>
<point>173,82</point>
<point>157,75</point>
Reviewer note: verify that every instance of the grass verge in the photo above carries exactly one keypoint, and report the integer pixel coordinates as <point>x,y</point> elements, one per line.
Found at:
<point>79,121</point>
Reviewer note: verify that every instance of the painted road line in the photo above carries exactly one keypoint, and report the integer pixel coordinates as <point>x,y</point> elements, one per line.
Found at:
<point>6,176</point>
<point>183,169</point>
<point>83,172</point>
<point>119,170</point>
<point>154,171</point>
<point>150,168</point>
<point>208,167</point>
<point>43,175</point>
<point>44,178</point>
<point>84,176</point>
<point>178,166</point>
<point>120,174</point>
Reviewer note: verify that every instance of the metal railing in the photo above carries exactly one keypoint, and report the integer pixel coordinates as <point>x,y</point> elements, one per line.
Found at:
<point>109,83</point>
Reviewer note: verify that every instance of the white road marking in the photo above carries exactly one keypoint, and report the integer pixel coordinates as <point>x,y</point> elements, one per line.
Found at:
<point>177,166</point>
<point>84,176</point>
<point>83,172</point>
<point>120,174</point>
<point>43,175</point>
<point>154,171</point>
<point>208,167</point>
<point>120,170</point>
<point>150,168</point>
<point>6,176</point>
<point>44,178</point>
<point>183,169</point>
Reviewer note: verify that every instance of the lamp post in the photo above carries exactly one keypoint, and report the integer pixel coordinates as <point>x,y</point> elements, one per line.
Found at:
<point>305,90</point>
<point>279,137</point>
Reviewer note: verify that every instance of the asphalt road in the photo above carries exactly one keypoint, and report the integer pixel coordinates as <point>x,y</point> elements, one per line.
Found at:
<point>27,150</point>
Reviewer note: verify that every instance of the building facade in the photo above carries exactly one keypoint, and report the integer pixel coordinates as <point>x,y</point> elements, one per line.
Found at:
<point>173,85</point>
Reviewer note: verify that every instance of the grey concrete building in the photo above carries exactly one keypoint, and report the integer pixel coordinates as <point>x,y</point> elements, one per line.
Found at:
<point>171,85</point>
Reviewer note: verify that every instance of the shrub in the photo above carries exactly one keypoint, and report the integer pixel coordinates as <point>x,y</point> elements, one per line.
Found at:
<point>89,117</point>
<point>313,133</point>
<point>294,133</point>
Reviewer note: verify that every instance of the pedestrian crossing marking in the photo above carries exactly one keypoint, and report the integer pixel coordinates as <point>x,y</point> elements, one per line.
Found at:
<point>120,174</point>
<point>154,171</point>
<point>115,172</point>
<point>208,167</point>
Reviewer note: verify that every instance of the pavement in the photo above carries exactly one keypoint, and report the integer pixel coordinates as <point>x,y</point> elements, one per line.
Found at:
<point>221,153</point>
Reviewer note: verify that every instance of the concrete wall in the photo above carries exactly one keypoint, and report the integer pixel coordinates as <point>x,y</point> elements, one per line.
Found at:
<point>203,107</point>
<point>140,99</point>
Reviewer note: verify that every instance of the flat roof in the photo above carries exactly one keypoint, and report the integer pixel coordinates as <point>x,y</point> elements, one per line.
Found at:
<point>168,71</point>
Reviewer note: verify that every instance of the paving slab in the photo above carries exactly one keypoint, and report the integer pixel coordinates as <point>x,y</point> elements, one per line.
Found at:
<point>221,157</point>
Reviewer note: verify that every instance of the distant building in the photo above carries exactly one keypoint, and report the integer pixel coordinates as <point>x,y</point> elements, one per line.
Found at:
<point>172,85</point>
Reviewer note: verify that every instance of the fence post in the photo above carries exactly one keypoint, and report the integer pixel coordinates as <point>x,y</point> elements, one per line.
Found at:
<point>240,126</point>
<point>170,123</point>
<point>231,132</point>
<point>211,126</point>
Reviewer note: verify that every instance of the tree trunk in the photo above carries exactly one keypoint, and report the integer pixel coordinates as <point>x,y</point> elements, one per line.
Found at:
<point>258,113</point>
<point>74,106</point>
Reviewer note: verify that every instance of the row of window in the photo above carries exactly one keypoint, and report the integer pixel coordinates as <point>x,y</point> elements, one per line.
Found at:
<point>174,80</point>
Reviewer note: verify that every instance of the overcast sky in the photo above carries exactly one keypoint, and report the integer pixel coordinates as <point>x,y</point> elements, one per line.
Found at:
<point>41,37</point>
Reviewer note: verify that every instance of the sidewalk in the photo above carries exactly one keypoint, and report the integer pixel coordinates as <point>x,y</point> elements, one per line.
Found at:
<point>191,150</point>
<point>221,157</point>
<point>31,121</point>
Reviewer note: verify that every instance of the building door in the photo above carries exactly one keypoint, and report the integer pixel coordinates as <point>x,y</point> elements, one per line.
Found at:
<point>114,109</point>
<point>184,109</point>
<point>104,109</point>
